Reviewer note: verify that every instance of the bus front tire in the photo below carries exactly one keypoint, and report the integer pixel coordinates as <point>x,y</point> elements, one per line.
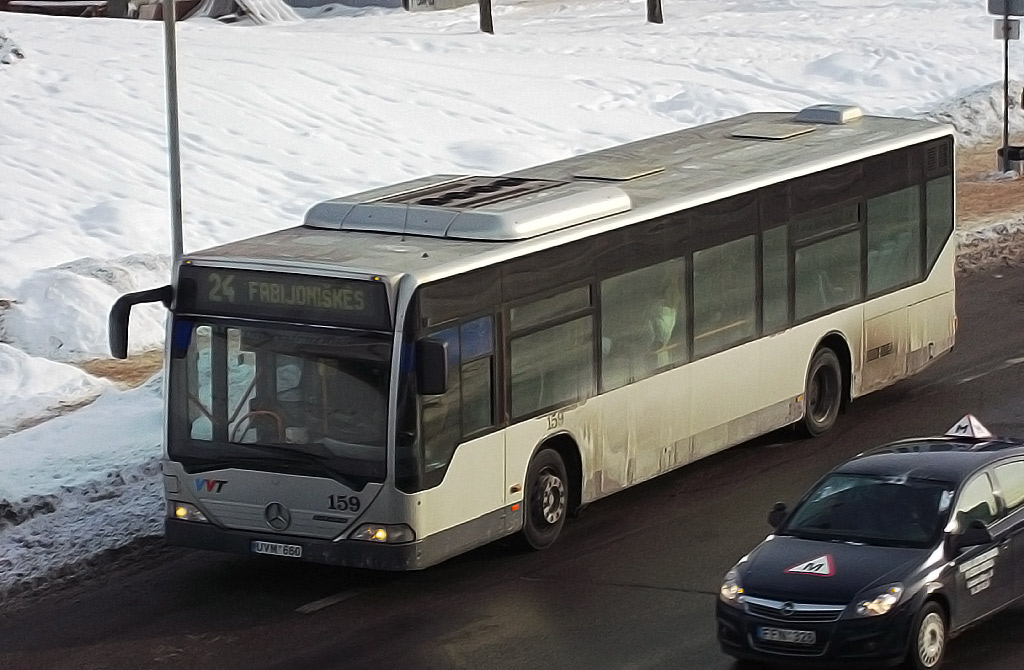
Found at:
<point>546,501</point>
<point>823,393</point>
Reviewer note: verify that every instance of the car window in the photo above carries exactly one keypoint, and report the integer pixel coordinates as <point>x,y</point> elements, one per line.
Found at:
<point>1011,484</point>
<point>977,501</point>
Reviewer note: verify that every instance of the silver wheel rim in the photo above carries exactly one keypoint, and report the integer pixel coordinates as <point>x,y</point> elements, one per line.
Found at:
<point>930,640</point>
<point>552,497</point>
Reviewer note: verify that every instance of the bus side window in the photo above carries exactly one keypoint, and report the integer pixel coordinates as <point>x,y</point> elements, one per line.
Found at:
<point>467,407</point>
<point>477,374</point>
<point>441,429</point>
<point>552,367</point>
<point>724,296</point>
<point>775,284</point>
<point>894,239</point>
<point>643,323</point>
<point>939,214</point>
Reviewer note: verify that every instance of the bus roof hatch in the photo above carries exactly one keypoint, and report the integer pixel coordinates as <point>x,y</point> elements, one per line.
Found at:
<point>471,208</point>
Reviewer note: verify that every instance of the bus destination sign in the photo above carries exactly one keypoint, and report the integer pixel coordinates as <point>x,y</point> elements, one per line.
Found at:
<point>276,295</point>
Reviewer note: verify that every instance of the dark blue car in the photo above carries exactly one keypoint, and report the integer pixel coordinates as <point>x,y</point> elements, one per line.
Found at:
<point>886,558</point>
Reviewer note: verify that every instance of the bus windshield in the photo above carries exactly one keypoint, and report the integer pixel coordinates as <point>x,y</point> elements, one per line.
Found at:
<point>302,401</point>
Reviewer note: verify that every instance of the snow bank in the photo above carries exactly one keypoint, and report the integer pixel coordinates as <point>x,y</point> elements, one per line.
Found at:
<point>32,387</point>
<point>61,312</point>
<point>80,484</point>
<point>9,50</point>
<point>977,115</point>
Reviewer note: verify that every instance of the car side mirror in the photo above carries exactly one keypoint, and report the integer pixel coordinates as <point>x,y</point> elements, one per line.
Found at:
<point>778,514</point>
<point>976,533</point>
<point>432,367</point>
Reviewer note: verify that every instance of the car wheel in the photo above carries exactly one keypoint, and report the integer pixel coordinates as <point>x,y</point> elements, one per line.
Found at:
<point>928,638</point>
<point>547,499</point>
<point>823,393</point>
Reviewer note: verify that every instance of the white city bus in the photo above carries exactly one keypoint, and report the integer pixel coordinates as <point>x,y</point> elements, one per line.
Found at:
<point>423,368</point>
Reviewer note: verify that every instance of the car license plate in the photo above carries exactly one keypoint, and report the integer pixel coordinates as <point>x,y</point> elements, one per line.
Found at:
<point>786,635</point>
<point>276,549</point>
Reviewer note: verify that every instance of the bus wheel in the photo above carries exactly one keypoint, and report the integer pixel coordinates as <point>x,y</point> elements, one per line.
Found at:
<point>823,393</point>
<point>927,638</point>
<point>547,499</point>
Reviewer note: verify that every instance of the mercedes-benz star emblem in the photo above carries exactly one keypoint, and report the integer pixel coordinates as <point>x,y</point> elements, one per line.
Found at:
<point>787,608</point>
<point>277,516</point>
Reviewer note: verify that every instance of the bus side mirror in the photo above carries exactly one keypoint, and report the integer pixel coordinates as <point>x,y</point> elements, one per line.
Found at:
<point>432,367</point>
<point>777,515</point>
<point>117,321</point>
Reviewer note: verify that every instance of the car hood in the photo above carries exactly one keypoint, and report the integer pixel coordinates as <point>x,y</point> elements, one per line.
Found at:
<point>789,568</point>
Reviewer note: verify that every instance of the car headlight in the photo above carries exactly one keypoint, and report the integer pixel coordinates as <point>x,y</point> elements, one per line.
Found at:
<point>731,591</point>
<point>880,604</point>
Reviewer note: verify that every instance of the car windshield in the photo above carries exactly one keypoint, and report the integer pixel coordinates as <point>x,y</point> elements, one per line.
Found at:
<point>302,401</point>
<point>870,509</point>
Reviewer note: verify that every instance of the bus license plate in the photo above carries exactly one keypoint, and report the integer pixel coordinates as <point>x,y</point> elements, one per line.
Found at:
<point>275,549</point>
<point>786,635</point>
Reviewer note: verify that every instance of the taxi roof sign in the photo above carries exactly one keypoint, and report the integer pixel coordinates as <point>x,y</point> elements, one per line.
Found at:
<point>969,427</point>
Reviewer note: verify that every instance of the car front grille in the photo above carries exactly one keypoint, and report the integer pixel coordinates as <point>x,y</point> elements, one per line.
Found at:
<point>785,611</point>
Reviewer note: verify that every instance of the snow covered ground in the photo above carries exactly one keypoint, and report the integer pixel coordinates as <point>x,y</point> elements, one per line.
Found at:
<point>278,117</point>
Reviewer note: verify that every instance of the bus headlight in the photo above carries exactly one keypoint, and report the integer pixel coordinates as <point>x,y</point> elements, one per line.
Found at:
<point>185,512</point>
<point>387,534</point>
<point>880,604</point>
<point>731,590</point>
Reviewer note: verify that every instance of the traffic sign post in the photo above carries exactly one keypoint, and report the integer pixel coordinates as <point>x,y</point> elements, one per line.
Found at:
<point>1006,29</point>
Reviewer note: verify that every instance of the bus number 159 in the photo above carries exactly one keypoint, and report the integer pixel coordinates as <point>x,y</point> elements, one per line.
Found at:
<point>343,503</point>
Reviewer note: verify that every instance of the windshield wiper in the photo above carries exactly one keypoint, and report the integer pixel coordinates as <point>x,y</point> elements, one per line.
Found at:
<point>320,459</point>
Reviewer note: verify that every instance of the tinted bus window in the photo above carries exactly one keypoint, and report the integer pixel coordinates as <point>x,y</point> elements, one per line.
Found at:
<point>894,239</point>
<point>724,296</point>
<point>441,422</point>
<point>939,213</point>
<point>547,309</point>
<point>643,323</point>
<point>827,275</point>
<point>467,407</point>
<point>552,367</point>
<point>477,372</point>
<point>775,283</point>
<point>827,223</point>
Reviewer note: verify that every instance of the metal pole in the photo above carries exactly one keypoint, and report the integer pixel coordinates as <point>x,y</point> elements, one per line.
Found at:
<point>486,20</point>
<point>654,14</point>
<point>1004,162</point>
<point>173,143</point>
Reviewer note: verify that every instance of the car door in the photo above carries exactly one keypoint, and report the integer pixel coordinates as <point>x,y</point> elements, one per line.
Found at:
<point>984,573</point>
<point>1010,483</point>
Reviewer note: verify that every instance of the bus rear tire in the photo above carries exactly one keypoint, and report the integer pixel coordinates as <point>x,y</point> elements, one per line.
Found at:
<point>546,503</point>
<point>823,393</point>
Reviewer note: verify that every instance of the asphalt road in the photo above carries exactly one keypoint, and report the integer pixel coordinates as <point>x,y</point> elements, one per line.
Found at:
<point>631,583</point>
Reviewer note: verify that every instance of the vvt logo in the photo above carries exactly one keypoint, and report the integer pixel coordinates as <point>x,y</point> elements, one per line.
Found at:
<point>211,485</point>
